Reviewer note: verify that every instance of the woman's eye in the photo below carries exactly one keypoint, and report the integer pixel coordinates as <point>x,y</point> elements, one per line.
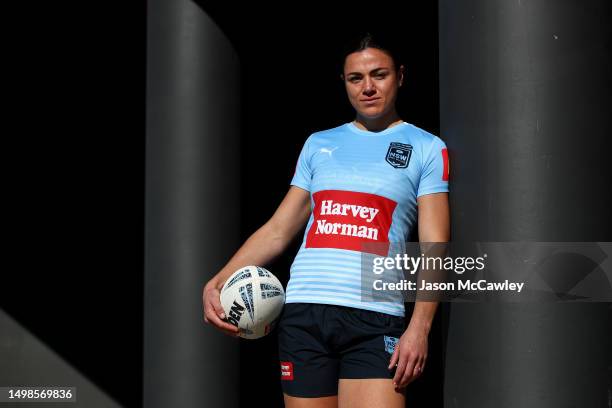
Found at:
<point>354,79</point>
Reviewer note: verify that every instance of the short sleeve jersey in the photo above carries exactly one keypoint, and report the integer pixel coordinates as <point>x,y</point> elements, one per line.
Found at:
<point>363,188</point>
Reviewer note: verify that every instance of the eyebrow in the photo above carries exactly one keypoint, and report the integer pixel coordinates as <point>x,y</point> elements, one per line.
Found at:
<point>374,71</point>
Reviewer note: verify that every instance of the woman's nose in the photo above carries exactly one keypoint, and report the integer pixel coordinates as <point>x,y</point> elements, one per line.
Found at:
<point>368,87</point>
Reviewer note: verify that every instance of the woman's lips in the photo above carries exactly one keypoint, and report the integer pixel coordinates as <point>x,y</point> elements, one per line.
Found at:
<point>369,101</point>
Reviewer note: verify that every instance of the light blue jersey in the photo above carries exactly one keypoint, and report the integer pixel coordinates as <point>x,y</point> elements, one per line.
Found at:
<point>363,187</point>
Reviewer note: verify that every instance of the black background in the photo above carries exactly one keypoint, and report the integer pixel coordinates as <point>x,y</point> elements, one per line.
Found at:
<point>75,148</point>
<point>75,133</point>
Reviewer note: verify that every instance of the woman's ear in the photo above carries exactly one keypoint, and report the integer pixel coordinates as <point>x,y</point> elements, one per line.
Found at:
<point>400,75</point>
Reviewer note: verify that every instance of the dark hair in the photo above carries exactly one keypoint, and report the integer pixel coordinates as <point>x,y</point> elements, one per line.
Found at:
<point>369,40</point>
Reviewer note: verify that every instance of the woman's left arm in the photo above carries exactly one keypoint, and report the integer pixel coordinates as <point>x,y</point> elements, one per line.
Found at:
<point>410,353</point>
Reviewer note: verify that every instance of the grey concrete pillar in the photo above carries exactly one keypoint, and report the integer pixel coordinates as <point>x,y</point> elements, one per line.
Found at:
<point>192,204</point>
<point>525,100</point>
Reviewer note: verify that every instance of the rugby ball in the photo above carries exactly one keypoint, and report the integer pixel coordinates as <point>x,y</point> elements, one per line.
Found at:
<point>252,298</point>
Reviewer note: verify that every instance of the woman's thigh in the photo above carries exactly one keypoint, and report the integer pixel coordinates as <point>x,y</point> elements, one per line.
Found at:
<point>370,393</point>
<point>320,402</point>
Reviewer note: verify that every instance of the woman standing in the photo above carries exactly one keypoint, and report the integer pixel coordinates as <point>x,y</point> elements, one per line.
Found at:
<point>357,184</point>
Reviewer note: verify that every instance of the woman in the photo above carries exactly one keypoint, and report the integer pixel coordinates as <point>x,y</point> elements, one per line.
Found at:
<point>357,184</point>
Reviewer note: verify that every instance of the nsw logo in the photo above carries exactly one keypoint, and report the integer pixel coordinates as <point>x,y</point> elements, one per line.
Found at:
<point>398,155</point>
<point>390,343</point>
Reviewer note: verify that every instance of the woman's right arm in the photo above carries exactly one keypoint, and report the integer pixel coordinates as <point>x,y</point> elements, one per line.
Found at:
<point>260,248</point>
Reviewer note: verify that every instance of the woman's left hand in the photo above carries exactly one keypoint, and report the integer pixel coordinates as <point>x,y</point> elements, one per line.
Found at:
<point>410,355</point>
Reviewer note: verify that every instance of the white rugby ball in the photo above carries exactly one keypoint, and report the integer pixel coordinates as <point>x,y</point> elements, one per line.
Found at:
<point>252,298</point>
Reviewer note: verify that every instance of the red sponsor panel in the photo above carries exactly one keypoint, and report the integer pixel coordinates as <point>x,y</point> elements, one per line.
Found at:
<point>349,219</point>
<point>286,370</point>
<point>446,171</point>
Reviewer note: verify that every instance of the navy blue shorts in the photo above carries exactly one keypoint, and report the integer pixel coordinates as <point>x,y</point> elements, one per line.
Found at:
<point>319,344</point>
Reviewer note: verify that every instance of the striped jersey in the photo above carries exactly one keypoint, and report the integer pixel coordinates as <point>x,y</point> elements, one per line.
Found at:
<point>363,188</point>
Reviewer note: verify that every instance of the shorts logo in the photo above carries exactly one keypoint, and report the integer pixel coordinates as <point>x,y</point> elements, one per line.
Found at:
<point>390,343</point>
<point>286,370</point>
<point>399,154</point>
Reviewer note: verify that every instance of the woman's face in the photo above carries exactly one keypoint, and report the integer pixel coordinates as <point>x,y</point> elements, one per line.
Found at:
<point>371,82</point>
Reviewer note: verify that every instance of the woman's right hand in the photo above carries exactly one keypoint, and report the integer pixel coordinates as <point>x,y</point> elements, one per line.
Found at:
<point>213,311</point>
<point>263,245</point>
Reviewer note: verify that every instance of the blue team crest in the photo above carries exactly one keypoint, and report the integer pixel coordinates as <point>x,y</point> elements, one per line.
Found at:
<point>399,154</point>
<point>390,343</point>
